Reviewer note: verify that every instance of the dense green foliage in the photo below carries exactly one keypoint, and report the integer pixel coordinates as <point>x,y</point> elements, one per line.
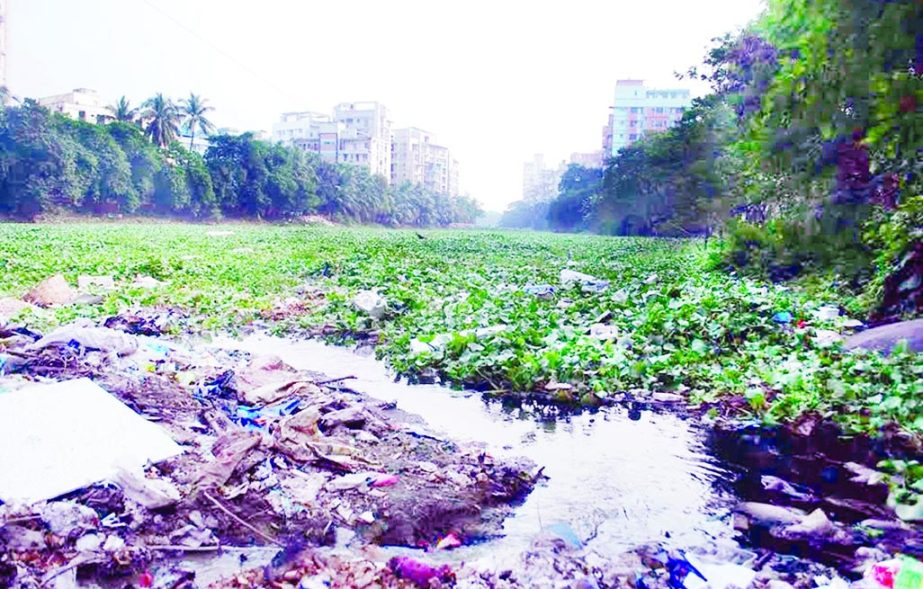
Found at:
<point>674,325</point>
<point>808,151</point>
<point>50,163</point>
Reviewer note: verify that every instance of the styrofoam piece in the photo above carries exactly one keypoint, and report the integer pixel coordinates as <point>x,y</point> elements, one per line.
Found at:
<point>60,437</point>
<point>719,576</point>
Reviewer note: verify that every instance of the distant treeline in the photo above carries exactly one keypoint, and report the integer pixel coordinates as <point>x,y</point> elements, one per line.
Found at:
<point>50,163</point>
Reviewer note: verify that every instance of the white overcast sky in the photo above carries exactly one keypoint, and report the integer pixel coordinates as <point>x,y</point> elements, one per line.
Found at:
<point>495,80</point>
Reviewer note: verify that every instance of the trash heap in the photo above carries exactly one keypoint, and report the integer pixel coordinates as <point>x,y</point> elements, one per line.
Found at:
<point>554,562</point>
<point>133,450</point>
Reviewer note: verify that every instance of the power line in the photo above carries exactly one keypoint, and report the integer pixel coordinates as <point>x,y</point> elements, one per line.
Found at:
<point>216,48</point>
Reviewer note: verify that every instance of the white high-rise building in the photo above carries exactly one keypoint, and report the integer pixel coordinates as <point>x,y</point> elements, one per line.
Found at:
<point>310,131</point>
<point>358,133</point>
<point>365,136</point>
<point>295,126</point>
<point>540,182</point>
<point>416,157</point>
<point>640,111</point>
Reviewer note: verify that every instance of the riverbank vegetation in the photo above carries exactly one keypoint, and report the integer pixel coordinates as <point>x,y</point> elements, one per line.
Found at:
<point>136,165</point>
<point>806,156</point>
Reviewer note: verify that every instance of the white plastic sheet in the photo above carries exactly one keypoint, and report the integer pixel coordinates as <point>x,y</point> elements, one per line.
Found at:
<point>60,437</point>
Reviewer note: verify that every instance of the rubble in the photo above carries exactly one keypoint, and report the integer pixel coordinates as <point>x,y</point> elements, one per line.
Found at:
<point>265,456</point>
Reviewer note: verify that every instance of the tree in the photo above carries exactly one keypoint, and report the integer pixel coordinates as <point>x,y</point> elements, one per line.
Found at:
<point>36,170</point>
<point>194,110</point>
<point>577,191</point>
<point>162,118</point>
<point>526,214</point>
<point>145,159</point>
<point>122,111</point>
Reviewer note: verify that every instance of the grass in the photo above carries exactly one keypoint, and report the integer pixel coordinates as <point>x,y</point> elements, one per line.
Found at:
<point>675,325</point>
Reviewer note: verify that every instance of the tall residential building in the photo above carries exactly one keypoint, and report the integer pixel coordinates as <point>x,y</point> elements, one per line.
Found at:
<point>81,104</point>
<point>639,110</point>
<point>310,131</point>
<point>295,127</point>
<point>358,133</point>
<point>365,136</point>
<point>540,182</point>
<point>416,157</point>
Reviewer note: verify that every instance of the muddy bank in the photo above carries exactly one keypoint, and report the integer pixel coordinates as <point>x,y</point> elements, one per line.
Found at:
<point>272,456</point>
<point>812,471</point>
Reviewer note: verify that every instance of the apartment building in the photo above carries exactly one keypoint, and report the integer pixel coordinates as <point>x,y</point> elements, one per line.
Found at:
<point>416,157</point>
<point>639,111</point>
<point>364,136</point>
<point>81,104</point>
<point>358,133</point>
<point>540,182</point>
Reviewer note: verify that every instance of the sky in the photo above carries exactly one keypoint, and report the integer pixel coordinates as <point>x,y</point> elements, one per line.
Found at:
<point>495,80</point>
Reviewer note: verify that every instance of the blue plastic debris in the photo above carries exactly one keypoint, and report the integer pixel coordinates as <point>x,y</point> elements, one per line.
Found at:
<point>567,534</point>
<point>595,286</point>
<point>539,290</point>
<point>158,348</point>
<point>255,418</point>
<point>222,387</point>
<point>782,317</point>
<point>680,568</point>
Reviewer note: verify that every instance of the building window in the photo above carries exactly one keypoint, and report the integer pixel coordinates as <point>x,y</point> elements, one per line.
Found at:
<point>82,115</point>
<point>659,109</point>
<point>632,137</point>
<point>636,109</point>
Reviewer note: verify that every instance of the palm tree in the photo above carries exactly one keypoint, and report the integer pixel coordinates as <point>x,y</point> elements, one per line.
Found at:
<point>122,111</point>
<point>194,110</point>
<point>162,118</point>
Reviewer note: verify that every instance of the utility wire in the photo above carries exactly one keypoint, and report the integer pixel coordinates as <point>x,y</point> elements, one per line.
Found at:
<point>214,47</point>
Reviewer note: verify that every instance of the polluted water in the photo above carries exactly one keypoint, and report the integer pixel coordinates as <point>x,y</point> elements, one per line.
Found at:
<point>617,479</point>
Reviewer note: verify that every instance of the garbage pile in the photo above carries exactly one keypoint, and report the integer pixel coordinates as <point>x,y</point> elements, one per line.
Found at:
<point>553,563</point>
<point>132,449</point>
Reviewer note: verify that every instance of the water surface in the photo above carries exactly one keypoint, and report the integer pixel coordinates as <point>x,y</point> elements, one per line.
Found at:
<point>627,480</point>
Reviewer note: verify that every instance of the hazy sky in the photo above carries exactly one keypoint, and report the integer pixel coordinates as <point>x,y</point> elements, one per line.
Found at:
<point>495,80</point>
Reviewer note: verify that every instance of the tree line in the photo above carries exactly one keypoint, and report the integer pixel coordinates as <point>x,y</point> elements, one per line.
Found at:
<point>136,164</point>
<point>807,152</point>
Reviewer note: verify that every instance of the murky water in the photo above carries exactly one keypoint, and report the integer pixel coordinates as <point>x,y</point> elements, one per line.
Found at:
<point>632,481</point>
